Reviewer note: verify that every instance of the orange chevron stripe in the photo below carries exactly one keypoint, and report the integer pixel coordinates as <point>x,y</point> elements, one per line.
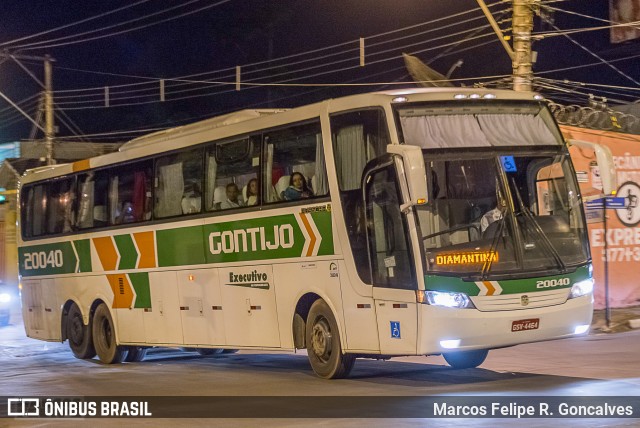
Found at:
<point>307,226</point>
<point>147,249</point>
<point>490,288</point>
<point>106,252</point>
<point>122,291</point>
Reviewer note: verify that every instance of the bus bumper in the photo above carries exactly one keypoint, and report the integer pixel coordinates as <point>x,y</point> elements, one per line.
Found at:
<point>447,329</point>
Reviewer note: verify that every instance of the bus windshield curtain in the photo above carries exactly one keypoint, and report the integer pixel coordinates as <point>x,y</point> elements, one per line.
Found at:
<point>212,170</point>
<point>484,130</point>
<point>351,156</point>
<point>320,174</point>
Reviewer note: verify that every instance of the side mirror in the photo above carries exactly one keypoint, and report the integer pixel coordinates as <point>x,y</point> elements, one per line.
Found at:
<point>607,168</point>
<point>414,171</point>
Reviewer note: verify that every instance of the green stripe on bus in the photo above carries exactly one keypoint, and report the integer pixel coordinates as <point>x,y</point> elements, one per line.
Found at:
<point>278,237</point>
<point>140,283</point>
<point>83,250</point>
<point>509,286</point>
<point>127,250</point>
<point>322,220</point>
<point>47,259</point>
<point>180,247</point>
<point>257,239</point>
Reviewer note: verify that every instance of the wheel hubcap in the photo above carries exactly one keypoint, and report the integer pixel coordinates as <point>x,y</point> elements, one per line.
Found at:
<point>77,332</point>
<point>321,339</point>
<point>106,331</point>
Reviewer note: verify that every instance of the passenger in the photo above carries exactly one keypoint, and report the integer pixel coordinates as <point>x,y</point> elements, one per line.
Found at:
<point>232,197</point>
<point>297,188</point>
<point>252,192</point>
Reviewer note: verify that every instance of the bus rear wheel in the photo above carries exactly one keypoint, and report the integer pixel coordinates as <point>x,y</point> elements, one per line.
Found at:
<point>323,343</point>
<point>79,335</point>
<point>104,337</point>
<point>466,359</point>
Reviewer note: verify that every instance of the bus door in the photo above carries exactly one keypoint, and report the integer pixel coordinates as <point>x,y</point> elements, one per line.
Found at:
<point>201,307</point>
<point>162,322</point>
<point>249,304</point>
<point>390,258</point>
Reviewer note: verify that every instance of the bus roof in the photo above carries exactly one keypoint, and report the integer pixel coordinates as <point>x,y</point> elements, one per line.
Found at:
<point>220,122</point>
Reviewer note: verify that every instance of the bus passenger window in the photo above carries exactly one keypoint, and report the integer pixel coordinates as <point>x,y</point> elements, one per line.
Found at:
<point>232,168</point>
<point>60,215</point>
<point>91,199</point>
<point>130,193</point>
<point>178,182</point>
<point>295,160</point>
<point>357,138</point>
<point>34,210</point>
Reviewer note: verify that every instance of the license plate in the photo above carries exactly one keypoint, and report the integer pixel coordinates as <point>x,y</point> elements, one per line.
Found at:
<point>521,325</point>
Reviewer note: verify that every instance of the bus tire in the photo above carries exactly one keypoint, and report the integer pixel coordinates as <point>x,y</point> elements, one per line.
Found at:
<point>209,351</point>
<point>135,354</point>
<point>104,337</point>
<point>230,351</point>
<point>466,359</point>
<point>79,335</point>
<point>323,343</point>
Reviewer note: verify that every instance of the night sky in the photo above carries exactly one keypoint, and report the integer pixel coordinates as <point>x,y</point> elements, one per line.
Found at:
<point>240,32</point>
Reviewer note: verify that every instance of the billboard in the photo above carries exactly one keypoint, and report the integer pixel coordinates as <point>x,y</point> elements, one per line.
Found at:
<point>622,233</point>
<point>622,12</point>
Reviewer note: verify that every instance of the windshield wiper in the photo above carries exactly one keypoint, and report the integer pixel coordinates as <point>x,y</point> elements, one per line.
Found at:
<point>537,229</point>
<point>486,267</point>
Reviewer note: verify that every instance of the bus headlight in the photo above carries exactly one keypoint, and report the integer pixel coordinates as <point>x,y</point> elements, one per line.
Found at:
<point>581,288</point>
<point>5,297</point>
<point>445,298</point>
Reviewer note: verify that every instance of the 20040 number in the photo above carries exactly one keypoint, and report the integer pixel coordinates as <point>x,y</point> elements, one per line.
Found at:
<point>42,260</point>
<point>547,283</point>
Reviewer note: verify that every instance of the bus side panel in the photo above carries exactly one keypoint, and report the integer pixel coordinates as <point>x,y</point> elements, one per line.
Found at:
<point>249,305</point>
<point>201,307</point>
<point>361,329</point>
<point>294,280</point>
<point>162,322</point>
<point>39,309</point>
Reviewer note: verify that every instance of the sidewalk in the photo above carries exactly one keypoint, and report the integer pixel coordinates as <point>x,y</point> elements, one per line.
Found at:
<point>619,320</point>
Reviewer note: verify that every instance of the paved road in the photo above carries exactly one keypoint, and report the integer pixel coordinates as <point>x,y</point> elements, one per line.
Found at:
<point>595,365</point>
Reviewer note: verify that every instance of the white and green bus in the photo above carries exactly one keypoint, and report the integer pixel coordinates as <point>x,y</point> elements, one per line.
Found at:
<point>415,222</point>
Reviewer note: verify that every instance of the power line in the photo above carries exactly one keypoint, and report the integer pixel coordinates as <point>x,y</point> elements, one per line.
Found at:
<point>595,55</point>
<point>74,23</point>
<point>83,40</point>
<point>208,83</point>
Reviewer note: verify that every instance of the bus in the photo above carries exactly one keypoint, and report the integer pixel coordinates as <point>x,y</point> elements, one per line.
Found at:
<point>407,222</point>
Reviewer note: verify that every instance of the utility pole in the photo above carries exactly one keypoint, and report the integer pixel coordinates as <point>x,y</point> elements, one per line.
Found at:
<point>48,110</point>
<point>522,61</point>
<point>49,129</point>
<point>521,55</point>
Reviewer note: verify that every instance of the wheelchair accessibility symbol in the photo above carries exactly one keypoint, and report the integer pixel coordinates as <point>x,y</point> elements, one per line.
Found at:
<point>395,329</point>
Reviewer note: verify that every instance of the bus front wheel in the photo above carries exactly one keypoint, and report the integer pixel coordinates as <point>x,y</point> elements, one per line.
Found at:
<point>79,335</point>
<point>466,359</point>
<point>104,337</point>
<point>323,343</point>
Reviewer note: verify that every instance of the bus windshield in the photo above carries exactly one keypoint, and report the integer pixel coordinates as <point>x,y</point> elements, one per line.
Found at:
<point>499,214</point>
